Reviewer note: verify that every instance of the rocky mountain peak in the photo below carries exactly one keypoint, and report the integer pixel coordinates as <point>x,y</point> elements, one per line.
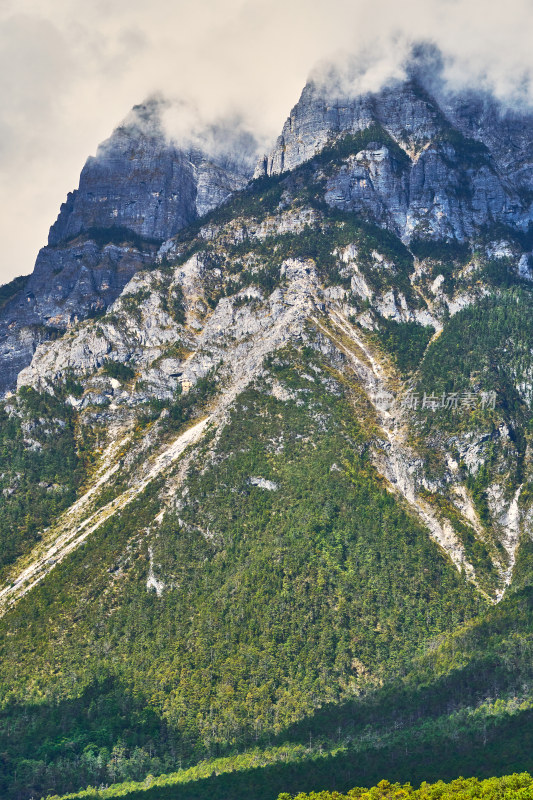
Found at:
<point>160,170</point>
<point>439,164</point>
<point>146,181</point>
<point>279,489</point>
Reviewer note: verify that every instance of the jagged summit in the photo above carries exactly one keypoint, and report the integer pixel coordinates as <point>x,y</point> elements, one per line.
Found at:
<point>148,183</point>
<point>141,188</point>
<point>287,467</point>
<point>439,165</point>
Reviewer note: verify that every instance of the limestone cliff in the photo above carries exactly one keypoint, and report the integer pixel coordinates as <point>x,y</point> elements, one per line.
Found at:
<point>436,166</point>
<point>288,461</point>
<point>140,189</point>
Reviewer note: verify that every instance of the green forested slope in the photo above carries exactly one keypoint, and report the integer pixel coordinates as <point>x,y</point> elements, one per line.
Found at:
<point>510,786</point>
<point>41,467</point>
<point>277,601</point>
<point>464,708</point>
<point>290,625</point>
<point>264,617</point>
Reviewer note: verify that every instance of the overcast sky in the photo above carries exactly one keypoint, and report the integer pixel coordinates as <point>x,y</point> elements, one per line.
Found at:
<point>71,69</point>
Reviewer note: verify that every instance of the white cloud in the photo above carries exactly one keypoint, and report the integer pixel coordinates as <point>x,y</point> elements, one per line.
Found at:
<point>70,70</point>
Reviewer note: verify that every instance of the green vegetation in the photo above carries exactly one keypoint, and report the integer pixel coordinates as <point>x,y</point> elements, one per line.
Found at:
<point>445,257</point>
<point>187,406</point>
<point>508,787</point>
<point>121,372</point>
<point>70,386</point>
<point>501,273</point>
<point>9,290</point>
<point>351,144</point>
<point>288,625</point>
<point>117,235</point>
<point>262,619</point>
<point>258,775</point>
<point>522,239</point>
<point>131,303</point>
<point>40,469</point>
<point>302,186</point>
<point>262,658</point>
<point>471,153</point>
<point>258,262</point>
<point>174,304</point>
<point>440,250</point>
<point>405,342</point>
<point>477,552</point>
<point>484,347</point>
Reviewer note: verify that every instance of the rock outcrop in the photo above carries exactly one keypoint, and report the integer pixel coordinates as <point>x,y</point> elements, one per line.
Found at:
<point>139,190</point>
<point>429,166</point>
<point>292,453</point>
<point>143,183</point>
<point>412,158</point>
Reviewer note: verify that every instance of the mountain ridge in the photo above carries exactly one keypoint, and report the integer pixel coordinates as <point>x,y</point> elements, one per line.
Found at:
<point>280,486</point>
<point>138,191</point>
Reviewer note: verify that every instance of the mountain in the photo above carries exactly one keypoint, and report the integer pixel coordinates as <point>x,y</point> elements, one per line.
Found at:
<point>139,190</point>
<point>422,169</point>
<point>267,519</point>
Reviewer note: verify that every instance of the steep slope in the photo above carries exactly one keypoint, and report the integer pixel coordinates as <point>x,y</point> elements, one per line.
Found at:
<point>424,169</point>
<point>279,492</point>
<point>139,190</point>
<point>302,453</point>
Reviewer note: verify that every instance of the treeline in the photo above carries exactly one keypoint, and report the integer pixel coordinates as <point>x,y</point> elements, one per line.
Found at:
<point>439,760</point>
<point>519,786</point>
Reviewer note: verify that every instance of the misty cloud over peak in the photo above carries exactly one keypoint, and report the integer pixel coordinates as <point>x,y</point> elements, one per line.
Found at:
<point>69,71</point>
<point>423,62</point>
<point>227,140</point>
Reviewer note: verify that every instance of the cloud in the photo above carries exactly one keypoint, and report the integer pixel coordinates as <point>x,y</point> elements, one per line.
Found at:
<point>71,70</point>
<point>229,139</point>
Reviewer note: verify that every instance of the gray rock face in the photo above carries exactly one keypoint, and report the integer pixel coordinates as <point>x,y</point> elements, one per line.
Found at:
<point>437,166</point>
<point>507,133</point>
<point>228,341</point>
<point>321,116</point>
<point>139,190</point>
<point>453,176</point>
<point>141,182</point>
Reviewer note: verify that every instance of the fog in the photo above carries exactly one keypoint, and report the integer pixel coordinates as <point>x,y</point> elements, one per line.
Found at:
<point>71,70</point>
